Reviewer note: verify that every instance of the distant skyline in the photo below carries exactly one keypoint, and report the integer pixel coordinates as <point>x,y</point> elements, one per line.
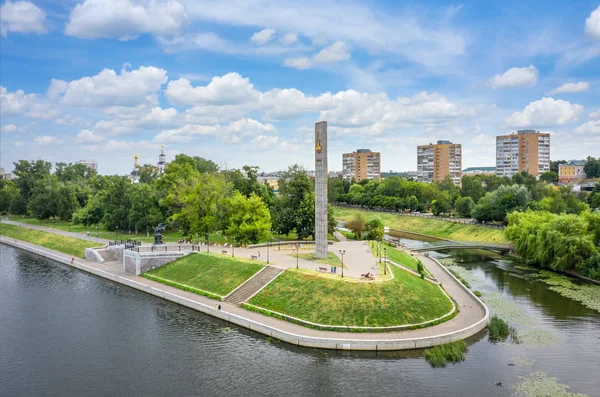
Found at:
<point>243,81</point>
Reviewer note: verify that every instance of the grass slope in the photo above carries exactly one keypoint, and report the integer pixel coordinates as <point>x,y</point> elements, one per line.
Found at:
<point>68,245</point>
<point>324,300</point>
<point>427,226</point>
<point>213,273</point>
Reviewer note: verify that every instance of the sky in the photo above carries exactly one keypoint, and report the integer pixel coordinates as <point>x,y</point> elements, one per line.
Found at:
<point>242,82</point>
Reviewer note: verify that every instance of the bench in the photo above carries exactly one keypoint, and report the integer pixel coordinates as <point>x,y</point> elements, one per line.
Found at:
<point>322,269</point>
<point>223,251</point>
<point>367,275</point>
<point>253,257</point>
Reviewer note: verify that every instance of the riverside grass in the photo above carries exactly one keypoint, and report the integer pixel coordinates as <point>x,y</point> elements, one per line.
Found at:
<point>405,299</point>
<point>213,273</point>
<point>454,352</point>
<point>428,226</point>
<point>68,245</point>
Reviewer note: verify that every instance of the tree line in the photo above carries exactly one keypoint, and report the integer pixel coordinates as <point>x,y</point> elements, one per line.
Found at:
<point>192,196</point>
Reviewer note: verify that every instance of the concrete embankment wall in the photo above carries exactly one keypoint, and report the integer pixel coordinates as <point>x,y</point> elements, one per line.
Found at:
<point>298,338</point>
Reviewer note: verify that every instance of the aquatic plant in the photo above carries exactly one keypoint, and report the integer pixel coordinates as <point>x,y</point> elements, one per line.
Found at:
<point>498,329</point>
<point>586,294</point>
<point>454,352</point>
<point>536,337</point>
<point>539,384</point>
<point>508,310</point>
<point>523,362</point>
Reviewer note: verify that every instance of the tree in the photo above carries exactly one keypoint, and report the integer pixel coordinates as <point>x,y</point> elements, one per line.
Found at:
<point>147,174</point>
<point>557,242</point>
<point>45,194</point>
<point>412,203</point>
<point>592,167</point>
<point>293,188</point>
<point>205,165</point>
<point>472,186</point>
<point>144,214</point>
<point>374,229</point>
<point>464,206</point>
<point>441,206</point>
<point>8,193</point>
<point>28,172</point>
<point>249,219</point>
<point>335,188</point>
<point>357,225</point>
<point>73,172</point>
<point>495,206</point>
<point>305,217</point>
<point>549,177</point>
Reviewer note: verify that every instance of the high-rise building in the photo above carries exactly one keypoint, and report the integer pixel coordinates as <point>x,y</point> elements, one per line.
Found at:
<point>162,160</point>
<point>362,164</point>
<point>90,163</point>
<point>525,150</point>
<point>571,171</point>
<point>436,161</point>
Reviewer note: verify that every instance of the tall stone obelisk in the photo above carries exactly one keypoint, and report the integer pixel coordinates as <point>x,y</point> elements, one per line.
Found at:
<point>321,176</point>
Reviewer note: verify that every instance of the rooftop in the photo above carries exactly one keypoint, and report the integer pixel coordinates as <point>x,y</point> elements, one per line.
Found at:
<point>482,169</point>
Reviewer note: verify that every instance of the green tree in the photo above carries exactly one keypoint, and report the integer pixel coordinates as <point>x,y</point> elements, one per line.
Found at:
<point>144,214</point>
<point>44,197</point>
<point>464,206</point>
<point>28,173</point>
<point>412,203</point>
<point>374,229</point>
<point>441,206</point>
<point>357,225</point>
<point>249,219</point>
<point>335,188</point>
<point>205,165</point>
<point>549,177</point>
<point>8,193</point>
<point>472,186</point>
<point>592,167</point>
<point>496,205</point>
<point>148,174</point>
<point>305,217</point>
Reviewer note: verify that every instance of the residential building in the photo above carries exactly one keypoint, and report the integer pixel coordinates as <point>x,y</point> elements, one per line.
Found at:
<point>90,163</point>
<point>479,171</point>
<point>525,150</point>
<point>436,161</point>
<point>362,164</point>
<point>572,171</point>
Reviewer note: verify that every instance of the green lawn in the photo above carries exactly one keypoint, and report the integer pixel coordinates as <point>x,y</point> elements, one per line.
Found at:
<point>332,259</point>
<point>398,256</point>
<point>430,227</point>
<point>68,245</point>
<point>406,299</point>
<point>214,273</point>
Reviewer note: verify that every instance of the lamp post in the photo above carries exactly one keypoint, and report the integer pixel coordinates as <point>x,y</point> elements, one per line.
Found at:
<point>385,262</point>
<point>207,245</point>
<point>97,239</point>
<point>268,243</point>
<point>69,226</point>
<point>342,253</point>
<point>297,246</point>
<point>233,248</point>
<point>116,233</point>
<point>380,251</point>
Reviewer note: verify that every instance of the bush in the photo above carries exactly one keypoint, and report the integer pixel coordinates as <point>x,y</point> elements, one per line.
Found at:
<point>421,269</point>
<point>499,330</point>
<point>591,267</point>
<point>454,352</point>
<point>464,206</point>
<point>477,294</point>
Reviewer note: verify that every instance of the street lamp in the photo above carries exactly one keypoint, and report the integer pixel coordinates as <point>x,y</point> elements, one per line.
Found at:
<point>342,253</point>
<point>97,232</point>
<point>385,263</point>
<point>297,246</point>
<point>69,226</point>
<point>233,248</point>
<point>380,251</point>
<point>207,245</point>
<point>268,243</point>
<point>116,232</point>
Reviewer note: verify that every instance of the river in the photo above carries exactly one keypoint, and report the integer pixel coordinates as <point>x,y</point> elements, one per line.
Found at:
<point>67,333</point>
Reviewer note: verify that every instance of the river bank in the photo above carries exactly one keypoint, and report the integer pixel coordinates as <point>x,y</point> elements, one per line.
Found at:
<point>466,324</point>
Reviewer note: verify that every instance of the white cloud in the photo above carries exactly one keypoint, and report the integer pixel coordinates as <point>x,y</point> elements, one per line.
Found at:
<point>9,128</point>
<point>87,136</point>
<point>125,20</point>
<point>581,86</point>
<point>68,119</point>
<point>428,40</point>
<point>56,88</point>
<point>595,115</point>
<point>298,63</point>
<point>130,120</point>
<point>515,77</point>
<point>113,146</point>
<point>262,37</point>
<point>234,132</point>
<point>21,17</point>
<point>228,89</point>
<point>19,143</point>
<point>47,140</point>
<point>591,127</point>
<point>289,39</point>
<point>592,24</point>
<point>545,112</point>
<point>18,103</point>
<point>109,88</point>
<point>331,54</point>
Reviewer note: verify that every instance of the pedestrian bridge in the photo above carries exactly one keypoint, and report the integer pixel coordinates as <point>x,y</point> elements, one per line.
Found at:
<point>447,245</point>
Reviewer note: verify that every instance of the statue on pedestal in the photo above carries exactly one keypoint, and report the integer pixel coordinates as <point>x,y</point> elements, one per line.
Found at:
<point>157,236</point>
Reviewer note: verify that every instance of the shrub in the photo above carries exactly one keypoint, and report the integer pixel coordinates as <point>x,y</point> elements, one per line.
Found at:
<point>454,352</point>
<point>499,330</point>
<point>477,294</point>
<point>421,269</point>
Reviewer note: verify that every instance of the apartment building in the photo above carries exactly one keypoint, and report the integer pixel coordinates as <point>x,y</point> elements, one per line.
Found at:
<point>572,171</point>
<point>525,150</point>
<point>361,164</point>
<point>436,161</point>
<point>90,163</point>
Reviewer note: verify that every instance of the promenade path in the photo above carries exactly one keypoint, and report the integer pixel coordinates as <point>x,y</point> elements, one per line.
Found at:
<point>470,310</point>
<point>57,231</point>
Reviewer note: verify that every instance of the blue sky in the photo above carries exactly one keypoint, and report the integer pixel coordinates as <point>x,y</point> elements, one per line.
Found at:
<point>242,82</point>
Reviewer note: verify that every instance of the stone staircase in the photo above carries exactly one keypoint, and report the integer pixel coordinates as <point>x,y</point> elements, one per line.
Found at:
<point>251,287</point>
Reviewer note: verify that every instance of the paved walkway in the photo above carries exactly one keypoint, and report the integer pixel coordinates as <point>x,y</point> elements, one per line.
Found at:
<point>471,313</point>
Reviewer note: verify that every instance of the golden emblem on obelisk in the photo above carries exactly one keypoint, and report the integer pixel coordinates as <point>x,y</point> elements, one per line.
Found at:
<point>318,147</point>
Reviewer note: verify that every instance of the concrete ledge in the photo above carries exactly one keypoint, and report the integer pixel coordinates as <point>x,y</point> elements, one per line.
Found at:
<point>374,343</point>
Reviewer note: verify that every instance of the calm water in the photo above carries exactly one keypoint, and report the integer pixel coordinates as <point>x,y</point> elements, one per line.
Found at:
<point>66,333</point>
